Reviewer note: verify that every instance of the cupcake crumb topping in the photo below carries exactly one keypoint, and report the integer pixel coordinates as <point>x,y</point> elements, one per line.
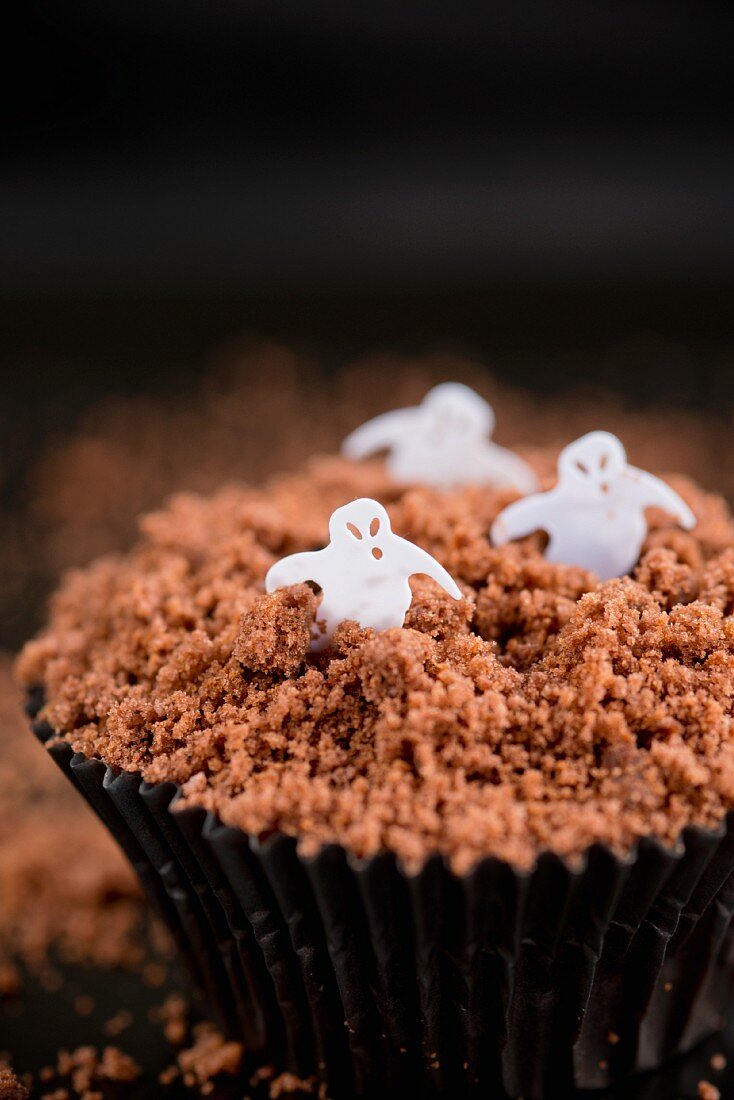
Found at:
<point>542,710</point>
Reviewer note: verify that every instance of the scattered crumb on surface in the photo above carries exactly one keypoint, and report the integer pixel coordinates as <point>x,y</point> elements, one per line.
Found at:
<point>707,1091</point>
<point>173,1014</point>
<point>210,1055</point>
<point>87,1067</point>
<point>288,1084</point>
<point>265,1072</point>
<point>718,1062</point>
<point>118,1023</point>
<point>168,1075</point>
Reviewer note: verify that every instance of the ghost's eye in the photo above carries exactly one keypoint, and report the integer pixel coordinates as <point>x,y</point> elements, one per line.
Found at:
<point>584,469</point>
<point>354,531</point>
<point>374,526</point>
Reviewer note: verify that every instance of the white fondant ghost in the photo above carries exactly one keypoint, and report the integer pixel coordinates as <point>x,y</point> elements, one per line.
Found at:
<point>595,514</point>
<point>363,572</point>
<point>444,441</point>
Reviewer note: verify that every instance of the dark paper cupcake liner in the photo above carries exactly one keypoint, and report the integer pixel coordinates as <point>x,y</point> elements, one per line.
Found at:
<point>375,981</point>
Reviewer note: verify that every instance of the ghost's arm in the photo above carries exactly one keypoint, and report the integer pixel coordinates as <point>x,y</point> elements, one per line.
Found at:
<point>420,561</point>
<point>379,434</point>
<point>512,469</point>
<point>295,569</point>
<point>651,491</point>
<point>520,519</point>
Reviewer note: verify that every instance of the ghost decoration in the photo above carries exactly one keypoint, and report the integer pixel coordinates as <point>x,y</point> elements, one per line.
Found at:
<point>363,572</point>
<point>444,441</point>
<point>595,514</point>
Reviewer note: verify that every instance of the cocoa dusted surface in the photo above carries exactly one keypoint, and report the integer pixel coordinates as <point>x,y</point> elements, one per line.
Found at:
<point>542,711</point>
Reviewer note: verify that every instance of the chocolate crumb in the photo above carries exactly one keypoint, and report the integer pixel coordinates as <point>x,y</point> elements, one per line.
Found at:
<point>118,1023</point>
<point>115,1065</point>
<point>10,1086</point>
<point>262,1073</point>
<point>544,711</point>
<point>276,632</point>
<point>707,1091</point>
<point>288,1084</point>
<point>566,712</point>
<point>209,1056</point>
<point>173,1014</point>
<point>86,1068</point>
<point>169,1075</point>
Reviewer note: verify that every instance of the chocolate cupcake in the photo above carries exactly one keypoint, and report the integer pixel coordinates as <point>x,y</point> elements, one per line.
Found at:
<point>488,849</point>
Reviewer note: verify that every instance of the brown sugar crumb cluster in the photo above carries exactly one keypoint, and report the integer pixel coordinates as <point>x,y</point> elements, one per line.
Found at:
<point>543,710</point>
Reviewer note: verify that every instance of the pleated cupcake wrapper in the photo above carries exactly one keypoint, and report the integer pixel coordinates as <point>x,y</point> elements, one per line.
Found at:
<point>377,981</point>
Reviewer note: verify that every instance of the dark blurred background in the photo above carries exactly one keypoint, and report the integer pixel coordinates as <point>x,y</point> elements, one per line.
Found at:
<point>544,188</point>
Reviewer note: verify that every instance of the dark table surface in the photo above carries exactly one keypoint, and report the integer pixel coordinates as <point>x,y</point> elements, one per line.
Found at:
<point>34,1027</point>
